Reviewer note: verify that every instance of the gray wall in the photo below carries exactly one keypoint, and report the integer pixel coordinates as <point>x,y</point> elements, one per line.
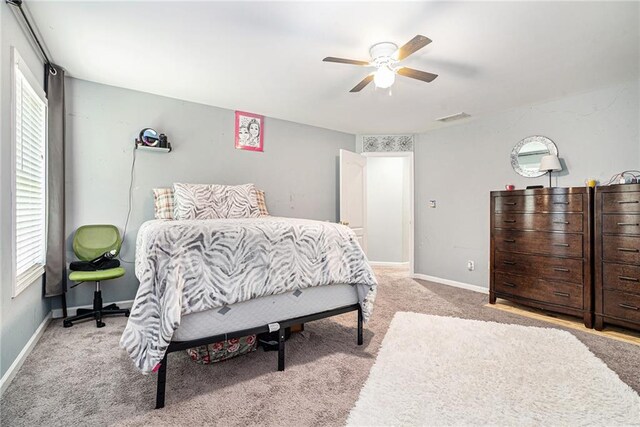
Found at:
<point>20,316</point>
<point>298,169</point>
<point>596,134</point>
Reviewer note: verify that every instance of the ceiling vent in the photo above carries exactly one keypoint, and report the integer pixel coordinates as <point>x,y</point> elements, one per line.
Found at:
<point>458,116</point>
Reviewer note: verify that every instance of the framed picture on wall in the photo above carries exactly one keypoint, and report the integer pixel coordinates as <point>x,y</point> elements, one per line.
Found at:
<point>249,131</point>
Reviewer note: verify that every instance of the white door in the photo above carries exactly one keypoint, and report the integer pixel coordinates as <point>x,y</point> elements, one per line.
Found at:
<point>353,186</point>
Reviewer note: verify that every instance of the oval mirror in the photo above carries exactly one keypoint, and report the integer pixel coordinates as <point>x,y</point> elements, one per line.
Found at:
<point>149,137</point>
<point>526,155</point>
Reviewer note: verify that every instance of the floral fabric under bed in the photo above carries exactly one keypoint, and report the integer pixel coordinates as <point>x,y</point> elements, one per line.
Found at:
<point>223,350</point>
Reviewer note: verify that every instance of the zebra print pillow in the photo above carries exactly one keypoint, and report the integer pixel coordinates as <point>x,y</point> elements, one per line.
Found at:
<point>212,201</point>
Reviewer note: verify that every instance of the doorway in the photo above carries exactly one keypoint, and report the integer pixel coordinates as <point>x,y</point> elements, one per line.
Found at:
<point>389,207</point>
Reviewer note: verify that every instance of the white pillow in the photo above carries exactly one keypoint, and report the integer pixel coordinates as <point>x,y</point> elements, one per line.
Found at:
<point>212,201</point>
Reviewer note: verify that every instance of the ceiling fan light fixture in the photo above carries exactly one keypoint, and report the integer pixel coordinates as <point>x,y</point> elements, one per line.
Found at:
<point>384,77</point>
<point>385,57</point>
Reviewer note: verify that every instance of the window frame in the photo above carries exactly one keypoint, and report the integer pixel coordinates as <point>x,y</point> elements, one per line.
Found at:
<point>35,271</point>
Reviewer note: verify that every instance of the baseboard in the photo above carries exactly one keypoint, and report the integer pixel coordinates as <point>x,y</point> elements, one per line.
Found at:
<point>17,363</point>
<point>388,264</point>
<point>453,283</point>
<point>71,311</point>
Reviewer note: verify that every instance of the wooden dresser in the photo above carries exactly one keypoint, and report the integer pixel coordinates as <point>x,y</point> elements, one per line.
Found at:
<point>617,255</point>
<point>541,249</point>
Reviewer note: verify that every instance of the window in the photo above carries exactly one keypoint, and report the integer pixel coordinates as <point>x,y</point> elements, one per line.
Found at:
<point>29,134</point>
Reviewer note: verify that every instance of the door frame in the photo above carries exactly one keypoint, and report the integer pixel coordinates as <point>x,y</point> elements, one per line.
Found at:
<point>341,216</point>
<point>409,155</point>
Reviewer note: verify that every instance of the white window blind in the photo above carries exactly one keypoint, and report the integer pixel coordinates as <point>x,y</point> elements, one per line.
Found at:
<point>29,130</point>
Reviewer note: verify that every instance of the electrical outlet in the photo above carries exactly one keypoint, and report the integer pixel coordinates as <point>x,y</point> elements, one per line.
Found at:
<point>471,265</point>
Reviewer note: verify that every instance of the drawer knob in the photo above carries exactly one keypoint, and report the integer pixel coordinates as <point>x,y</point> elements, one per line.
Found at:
<point>621,224</point>
<point>511,285</point>
<point>562,269</point>
<point>510,221</point>
<point>628,279</point>
<point>509,262</point>
<point>561,222</point>
<point>625,202</point>
<point>628,306</point>
<point>561,294</point>
<point>509,240</point>
<point>560,203</point>
<point>562,245</point>
<point>629,250</point>
<point>510,203</point>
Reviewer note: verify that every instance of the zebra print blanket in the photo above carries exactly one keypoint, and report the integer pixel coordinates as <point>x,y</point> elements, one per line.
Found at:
<point>195,265</point>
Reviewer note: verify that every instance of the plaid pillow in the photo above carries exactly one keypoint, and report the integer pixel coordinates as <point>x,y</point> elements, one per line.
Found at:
<point>163,200</point>
<point>262,204</point>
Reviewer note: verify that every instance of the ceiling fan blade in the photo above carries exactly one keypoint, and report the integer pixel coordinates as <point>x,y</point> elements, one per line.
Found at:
<point>417,74</point>
<point>363,83</point>
<point>412,46</point>
<point>345,61</point>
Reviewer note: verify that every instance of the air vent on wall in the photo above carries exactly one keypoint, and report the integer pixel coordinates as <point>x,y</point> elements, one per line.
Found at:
<point>453,117</point>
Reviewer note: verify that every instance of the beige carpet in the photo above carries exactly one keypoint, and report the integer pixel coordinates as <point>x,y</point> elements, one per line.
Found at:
<point>79,376</point>
<point>445,371</point>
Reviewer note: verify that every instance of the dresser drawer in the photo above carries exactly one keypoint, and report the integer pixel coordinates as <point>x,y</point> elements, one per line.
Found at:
<point>539,203</point>
<point>622,305</point>
<point>566,294</point>
<point>628,202</point>
<point>535,242</point>
<point>624,249</point>
<point>621,224</point>
<point>551,268</point>
<point>567,222</point>
<point>621,277</point>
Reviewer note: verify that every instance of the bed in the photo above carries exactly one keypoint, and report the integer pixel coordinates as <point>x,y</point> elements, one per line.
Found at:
<point>205,281</point>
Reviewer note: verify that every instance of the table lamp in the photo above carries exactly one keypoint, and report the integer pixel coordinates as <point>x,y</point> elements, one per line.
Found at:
<point>550,163</point>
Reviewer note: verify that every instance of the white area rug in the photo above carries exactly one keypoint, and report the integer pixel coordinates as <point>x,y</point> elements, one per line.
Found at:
<point>434,370</point>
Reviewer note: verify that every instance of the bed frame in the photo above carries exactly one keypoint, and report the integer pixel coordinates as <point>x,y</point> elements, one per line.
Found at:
<point>271,327</point>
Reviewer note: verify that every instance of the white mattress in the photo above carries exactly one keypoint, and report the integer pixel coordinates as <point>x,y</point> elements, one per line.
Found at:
<point>261,311</point>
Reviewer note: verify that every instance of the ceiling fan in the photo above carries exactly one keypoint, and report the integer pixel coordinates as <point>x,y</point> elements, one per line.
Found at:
<point>385,57</point>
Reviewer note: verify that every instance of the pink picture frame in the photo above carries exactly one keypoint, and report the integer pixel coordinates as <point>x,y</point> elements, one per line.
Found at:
<point>249,131</point>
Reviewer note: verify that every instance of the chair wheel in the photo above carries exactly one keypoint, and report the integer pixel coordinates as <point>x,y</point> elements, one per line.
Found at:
<point>127,313</point>
<point>67,324</point>
<point>100,324</point>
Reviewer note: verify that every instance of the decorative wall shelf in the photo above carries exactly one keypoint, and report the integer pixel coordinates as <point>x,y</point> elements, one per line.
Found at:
<point>156,149</point>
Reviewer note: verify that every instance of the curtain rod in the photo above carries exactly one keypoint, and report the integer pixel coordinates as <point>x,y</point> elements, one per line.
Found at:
<point>18,5</point>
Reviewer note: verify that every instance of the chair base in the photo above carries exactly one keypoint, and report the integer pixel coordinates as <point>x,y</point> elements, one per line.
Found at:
<point>97,313</point>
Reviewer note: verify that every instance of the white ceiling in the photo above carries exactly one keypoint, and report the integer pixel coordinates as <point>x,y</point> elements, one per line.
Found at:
<point>266,57</point>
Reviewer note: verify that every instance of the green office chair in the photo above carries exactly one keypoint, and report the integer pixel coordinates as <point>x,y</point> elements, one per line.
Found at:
<point>90,242</point>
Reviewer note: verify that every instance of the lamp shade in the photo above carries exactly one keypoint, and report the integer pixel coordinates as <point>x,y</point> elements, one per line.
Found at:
<point>550,163</point>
